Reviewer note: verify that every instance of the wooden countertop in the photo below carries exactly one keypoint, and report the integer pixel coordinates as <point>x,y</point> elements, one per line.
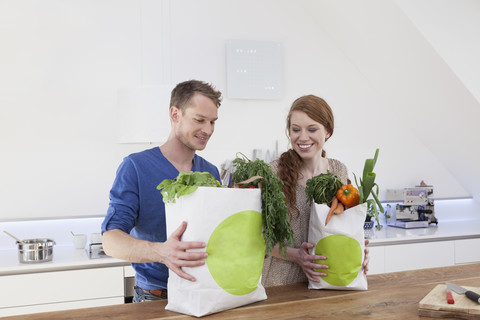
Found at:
<point>390,296</point>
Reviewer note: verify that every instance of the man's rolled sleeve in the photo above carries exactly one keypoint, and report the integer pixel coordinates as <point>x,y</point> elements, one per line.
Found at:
<point>124,199</point>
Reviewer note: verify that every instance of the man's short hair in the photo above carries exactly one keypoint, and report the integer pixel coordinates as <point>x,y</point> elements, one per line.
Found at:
<point>184,91</point>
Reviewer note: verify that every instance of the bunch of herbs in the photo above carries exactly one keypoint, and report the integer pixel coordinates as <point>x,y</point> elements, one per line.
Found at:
<point>276,223</point>
<point>323,188</point>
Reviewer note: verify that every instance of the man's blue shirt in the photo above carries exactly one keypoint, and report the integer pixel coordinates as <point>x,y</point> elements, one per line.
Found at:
<point>136,206</point>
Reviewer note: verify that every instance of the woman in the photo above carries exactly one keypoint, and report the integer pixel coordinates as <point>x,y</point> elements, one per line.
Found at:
<point>310,124</point>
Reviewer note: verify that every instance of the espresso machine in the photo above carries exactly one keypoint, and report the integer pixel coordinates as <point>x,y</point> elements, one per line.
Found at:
<point>417,209</point>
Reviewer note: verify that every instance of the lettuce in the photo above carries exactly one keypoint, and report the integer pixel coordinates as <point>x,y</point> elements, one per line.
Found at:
<point>185,183</point>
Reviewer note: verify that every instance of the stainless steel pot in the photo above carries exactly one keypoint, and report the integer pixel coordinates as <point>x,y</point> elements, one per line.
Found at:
<point>35,250</point>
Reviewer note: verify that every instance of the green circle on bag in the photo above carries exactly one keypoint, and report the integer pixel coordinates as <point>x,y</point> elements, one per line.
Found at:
<point>236,250</point>
<point>344,259</point>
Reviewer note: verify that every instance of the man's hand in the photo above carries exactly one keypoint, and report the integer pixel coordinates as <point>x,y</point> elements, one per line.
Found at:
<point>174,254</point>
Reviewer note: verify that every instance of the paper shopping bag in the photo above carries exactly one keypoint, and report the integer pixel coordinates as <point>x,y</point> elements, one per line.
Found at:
<point>342,242</point>
<point>230,222</point>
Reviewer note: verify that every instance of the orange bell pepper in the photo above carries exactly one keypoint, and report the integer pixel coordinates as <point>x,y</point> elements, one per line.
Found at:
<point>348,195</point>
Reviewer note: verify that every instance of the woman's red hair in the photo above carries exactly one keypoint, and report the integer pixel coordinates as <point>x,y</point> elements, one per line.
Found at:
<point>290,163</point>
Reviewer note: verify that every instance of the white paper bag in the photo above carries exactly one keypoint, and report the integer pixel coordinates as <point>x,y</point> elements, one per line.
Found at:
<point>342,242</point>
<point>229,220</point>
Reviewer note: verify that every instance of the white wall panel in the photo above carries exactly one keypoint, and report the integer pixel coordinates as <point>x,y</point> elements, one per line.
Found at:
<point>62,63</point>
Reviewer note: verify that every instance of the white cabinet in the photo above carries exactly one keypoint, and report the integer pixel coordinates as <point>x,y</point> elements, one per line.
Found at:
<point>377,260</point>
<point>411,256</point>
<point>128,271</point>
<point>129,277</point>
<point>61,290</point>
<point>467,251</point>
<point>419,256</point>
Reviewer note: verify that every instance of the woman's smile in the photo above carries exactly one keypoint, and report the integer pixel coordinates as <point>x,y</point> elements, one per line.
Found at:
<point>305,147</point>
<point>306,135</point>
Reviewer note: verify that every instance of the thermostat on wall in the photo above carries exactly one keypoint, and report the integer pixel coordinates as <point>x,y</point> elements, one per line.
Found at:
<point>254,69</point>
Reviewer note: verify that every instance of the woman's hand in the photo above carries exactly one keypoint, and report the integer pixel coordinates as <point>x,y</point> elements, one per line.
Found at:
<point>307,262</point>
<point>366,260</point>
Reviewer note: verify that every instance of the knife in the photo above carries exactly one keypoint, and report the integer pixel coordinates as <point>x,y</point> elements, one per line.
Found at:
<point>449,294</point>
<point>461,290</point>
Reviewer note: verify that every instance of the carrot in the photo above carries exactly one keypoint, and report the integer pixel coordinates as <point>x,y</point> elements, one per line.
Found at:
<point>339,209</point>
<point>332,208</point>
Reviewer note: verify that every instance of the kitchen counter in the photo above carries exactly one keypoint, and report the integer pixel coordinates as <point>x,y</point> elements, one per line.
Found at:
<point>447,230</point>
<point>68,258</point>
<point>390,296</point>
<point>64,258</point>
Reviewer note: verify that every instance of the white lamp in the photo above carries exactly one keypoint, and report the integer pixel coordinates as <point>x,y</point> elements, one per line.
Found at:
<point>143,113</point>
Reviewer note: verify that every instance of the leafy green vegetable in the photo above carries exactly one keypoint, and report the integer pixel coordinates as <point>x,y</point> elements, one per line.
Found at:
<point>276,223</point>
<point>185,183</point>
<point>367,183</point>
<point>322,188</point>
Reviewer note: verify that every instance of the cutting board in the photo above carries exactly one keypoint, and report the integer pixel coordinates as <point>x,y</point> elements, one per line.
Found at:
<point>435,304</point>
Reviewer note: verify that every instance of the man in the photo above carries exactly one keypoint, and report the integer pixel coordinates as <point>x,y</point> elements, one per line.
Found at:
<point>134,228</point>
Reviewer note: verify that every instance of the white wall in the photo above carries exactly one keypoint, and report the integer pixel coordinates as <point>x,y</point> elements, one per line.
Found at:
<point>451,27</point>
<point>61,65</point>
<point>415,85</point>
<point>63,61</point>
